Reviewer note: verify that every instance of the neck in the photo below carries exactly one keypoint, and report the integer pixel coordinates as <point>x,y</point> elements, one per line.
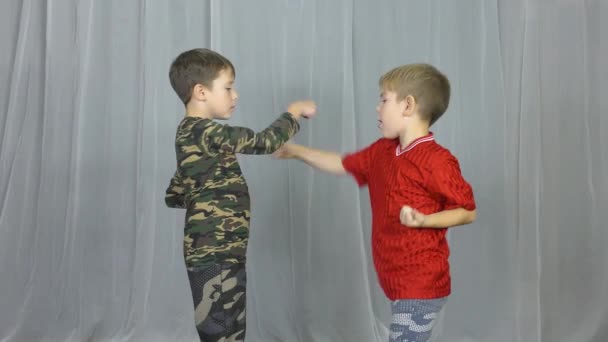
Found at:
<point>196,111</point>
<point>411,134</point>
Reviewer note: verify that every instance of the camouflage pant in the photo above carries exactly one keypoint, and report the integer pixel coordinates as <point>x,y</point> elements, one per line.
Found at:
<point>219,302</point>
<point>414,319</point>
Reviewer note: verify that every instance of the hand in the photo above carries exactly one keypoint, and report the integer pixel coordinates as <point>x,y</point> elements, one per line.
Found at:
<point>411,217</point>
<point>306,109</point>
<point>285,152</point>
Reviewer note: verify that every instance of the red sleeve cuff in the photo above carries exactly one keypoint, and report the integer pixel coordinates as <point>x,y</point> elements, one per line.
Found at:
<point>470,206</point>
<point>347,163</point>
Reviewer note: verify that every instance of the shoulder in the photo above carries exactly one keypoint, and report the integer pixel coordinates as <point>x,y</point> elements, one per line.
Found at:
<point>192,124</point>
<point>441,157</point>
<point>383,145</point>
<point>386,142</point>
<point>197,134</point>
<point>206,129</point>
<point>373,148</point>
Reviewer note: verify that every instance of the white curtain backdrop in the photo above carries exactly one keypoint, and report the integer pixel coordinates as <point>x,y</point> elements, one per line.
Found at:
<point>89,252</point>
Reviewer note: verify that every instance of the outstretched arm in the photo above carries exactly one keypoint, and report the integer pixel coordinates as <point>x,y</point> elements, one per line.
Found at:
<point>225,138</point>
<point>330,162</point>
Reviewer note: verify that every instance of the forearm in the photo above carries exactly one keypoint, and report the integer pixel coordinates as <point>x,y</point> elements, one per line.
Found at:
<point>449,218</point>
<point>224,138</point>
<point>273,137</point>
<point>325,161</point>
<point>174,195</point>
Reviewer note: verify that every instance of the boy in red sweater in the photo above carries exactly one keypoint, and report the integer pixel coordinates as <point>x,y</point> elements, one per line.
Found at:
<point>416,190</point>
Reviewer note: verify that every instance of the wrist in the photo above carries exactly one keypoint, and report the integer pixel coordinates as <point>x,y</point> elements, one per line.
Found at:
<point>294,112</point>
<point>427,221</point>
<point>296,151</point>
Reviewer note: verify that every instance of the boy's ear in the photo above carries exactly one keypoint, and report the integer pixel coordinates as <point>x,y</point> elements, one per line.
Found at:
<point>409,105</point>
<point>199,92</point>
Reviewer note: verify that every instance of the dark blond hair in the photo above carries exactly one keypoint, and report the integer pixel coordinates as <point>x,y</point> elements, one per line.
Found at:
<point>429,87</point>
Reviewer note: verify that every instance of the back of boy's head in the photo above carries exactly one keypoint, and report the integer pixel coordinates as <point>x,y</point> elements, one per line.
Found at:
<point>197,66</point>
<point>429,87</point>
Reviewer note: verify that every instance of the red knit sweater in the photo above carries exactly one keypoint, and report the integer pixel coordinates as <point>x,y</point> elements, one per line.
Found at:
<point>411,263</point>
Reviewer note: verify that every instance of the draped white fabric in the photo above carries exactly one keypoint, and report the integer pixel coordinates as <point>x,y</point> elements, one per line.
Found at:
<point>88,251</point>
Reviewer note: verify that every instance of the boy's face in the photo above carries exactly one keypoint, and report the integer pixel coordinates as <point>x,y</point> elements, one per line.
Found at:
<point>221,98</point>
<point>391,115</point>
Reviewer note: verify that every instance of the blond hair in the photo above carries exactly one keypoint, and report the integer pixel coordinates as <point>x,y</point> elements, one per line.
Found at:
<point>429,87</point>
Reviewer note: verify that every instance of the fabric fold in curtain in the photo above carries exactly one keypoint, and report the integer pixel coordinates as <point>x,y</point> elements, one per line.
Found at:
<point>88,252</point>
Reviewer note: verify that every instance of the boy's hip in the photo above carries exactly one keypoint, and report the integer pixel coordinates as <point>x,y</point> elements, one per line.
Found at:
<point>415,284</point>
<point>201,253</point>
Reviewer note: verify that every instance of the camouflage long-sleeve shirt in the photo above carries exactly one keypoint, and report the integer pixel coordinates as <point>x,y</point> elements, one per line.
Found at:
<point>210,185</point>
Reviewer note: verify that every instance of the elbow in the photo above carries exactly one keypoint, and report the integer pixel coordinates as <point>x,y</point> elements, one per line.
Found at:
<point>271,149</point>
<point>339,171</point>
<point>170,203</point>
<point>268,146</point>
<point>175,202</point>
<point>472,216</point>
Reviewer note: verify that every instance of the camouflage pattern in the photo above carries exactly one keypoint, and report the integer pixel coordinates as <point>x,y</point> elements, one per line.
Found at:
<point>220,302</point>
<point>414,319</point>
<point>210,185</point>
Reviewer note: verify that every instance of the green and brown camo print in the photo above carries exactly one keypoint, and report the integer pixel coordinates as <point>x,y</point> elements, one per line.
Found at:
<point>209,184</point>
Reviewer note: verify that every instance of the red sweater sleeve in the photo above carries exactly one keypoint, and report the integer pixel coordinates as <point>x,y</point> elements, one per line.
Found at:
<point>358,164</point>
<point>446,181</point>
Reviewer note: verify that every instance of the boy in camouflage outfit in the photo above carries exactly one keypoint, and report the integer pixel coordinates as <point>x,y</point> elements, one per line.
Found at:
<point>209,184</point>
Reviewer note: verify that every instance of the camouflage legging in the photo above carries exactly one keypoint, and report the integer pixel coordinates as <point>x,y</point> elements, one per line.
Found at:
<point>219,302</point>
<point>414,319</point>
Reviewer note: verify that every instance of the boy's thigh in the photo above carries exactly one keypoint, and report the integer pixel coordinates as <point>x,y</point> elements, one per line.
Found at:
<point>219,298</point>
<point>414,319</point>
